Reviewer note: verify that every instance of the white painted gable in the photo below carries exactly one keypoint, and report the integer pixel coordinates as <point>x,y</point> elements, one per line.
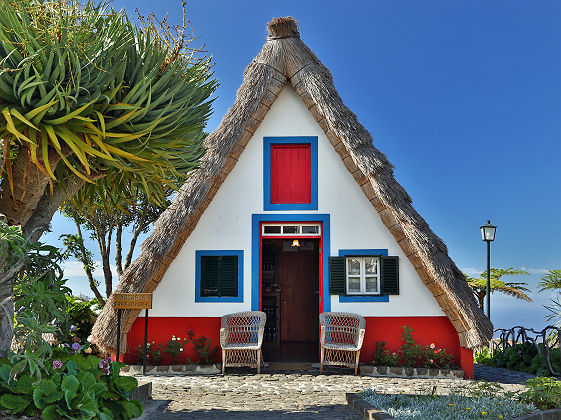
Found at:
<point>226,225</point>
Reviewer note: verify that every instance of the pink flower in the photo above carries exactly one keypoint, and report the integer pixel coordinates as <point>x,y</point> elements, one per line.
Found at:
<point>394,353</point>
<point>57,364</point>
<point>432,361</point>
<point>432,346</point>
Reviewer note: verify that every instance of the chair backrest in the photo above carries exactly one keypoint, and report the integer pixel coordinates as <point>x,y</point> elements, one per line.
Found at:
<point>244,327</point>
<point>341,327</point>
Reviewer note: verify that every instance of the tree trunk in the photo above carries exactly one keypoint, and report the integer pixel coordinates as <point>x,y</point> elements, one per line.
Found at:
<point>481,298</point>
<point>6,318</point>
<point>119,248</point>
<point>139,228</point>
<point>105,248</point>
<point>29,184</point>
<point>46,208</point>
<point>91,279</point>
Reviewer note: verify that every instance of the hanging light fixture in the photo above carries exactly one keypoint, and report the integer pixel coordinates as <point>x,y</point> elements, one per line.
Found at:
<point>296,243</point>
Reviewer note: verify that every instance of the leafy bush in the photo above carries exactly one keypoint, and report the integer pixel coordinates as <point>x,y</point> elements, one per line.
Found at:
<point>412,354</point>
<point>74,387</point>
<point>81,314</point>
<point>384,357</point>
<point>207,353</point>
<point>544,393</point>
<point>522,357</point>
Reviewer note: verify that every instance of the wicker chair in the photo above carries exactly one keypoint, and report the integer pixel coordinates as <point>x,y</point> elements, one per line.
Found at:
<point>241,336</point>
<point>342,334</point>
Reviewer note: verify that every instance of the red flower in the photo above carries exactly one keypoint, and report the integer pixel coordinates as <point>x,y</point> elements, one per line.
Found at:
<point>437,351</point>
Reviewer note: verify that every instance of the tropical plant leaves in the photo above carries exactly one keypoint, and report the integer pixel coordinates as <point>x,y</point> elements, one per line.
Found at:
<point>112,101</point>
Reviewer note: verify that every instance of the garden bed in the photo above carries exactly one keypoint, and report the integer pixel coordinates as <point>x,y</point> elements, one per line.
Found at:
<point>367,410</point>
<point>410,372</point>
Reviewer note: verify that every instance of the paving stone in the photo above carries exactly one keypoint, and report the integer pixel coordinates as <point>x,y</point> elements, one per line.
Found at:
<point>245,395</point>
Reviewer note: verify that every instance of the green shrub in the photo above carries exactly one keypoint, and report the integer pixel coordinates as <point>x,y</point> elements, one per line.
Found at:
<point>522,357</point>
<point>544,393</point>
<point>81,315</point>
<point>75,386</point>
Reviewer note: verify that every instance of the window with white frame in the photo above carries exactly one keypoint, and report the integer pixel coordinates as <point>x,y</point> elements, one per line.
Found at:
<point>363,275</point>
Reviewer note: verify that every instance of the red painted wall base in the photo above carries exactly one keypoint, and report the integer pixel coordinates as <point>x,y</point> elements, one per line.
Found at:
<point>426,330</point>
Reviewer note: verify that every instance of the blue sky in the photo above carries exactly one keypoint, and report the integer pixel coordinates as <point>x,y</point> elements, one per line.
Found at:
<point>463,97</point>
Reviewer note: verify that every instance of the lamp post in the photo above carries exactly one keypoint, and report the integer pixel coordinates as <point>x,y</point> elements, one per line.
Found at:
<point>488,235</point>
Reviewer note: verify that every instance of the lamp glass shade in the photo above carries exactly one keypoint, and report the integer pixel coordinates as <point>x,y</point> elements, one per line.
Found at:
<point>295,242</point>
<point>488,232</point>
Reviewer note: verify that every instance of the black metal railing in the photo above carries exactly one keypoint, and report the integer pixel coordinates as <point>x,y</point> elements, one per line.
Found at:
<point>548,337</point>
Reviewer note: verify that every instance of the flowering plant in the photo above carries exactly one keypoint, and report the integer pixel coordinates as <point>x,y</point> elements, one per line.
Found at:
<point>412,354</point>
<point>175,347</point>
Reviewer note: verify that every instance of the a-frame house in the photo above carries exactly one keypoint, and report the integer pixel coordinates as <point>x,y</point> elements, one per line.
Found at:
<point>290,162</point>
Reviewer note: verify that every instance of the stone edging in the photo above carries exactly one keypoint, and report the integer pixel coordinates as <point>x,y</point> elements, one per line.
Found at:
<point>143,392</point>
<point>173,369</point>
<point>365,409</point>
<point>409,372</point>
<point>369,412</point>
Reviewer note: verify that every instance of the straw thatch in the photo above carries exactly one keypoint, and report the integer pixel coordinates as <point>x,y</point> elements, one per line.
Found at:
<point>286,59</point>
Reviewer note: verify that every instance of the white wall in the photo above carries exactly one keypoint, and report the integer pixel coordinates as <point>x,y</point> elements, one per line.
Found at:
<point>226,225</point>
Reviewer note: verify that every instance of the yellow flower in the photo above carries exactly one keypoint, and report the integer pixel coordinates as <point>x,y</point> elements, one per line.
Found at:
<point>450,405</point>
<point>484,413</point>
<point>468,408</point>
<point>501,416</point>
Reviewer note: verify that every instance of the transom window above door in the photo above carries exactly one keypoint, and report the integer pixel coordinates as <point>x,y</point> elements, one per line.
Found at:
<point>363,275</point>
<point>312,229</point>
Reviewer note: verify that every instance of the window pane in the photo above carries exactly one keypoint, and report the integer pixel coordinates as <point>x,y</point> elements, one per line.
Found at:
<point>290,229</point>
<point>310,229</point>
<point>272,229</point>
<point>371,265</point>
<point>353,266</point>
<point>371,284</point>
<point>354,284</point>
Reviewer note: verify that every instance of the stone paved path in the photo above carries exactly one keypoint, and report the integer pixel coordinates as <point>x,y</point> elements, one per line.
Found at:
<point>303,395</point>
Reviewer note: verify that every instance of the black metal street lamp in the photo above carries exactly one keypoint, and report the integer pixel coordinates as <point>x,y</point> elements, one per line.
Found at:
<point>488,235</point>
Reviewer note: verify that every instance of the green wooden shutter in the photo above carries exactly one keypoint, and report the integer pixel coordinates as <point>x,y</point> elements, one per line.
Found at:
<point>337,278</point>
<point>228,285</point>
<point>210,271</point>
<point>390,275</point>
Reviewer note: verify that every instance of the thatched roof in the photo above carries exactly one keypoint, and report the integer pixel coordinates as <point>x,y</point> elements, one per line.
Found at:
<point>286,59</point>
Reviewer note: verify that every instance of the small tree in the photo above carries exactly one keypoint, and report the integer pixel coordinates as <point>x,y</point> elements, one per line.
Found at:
<point>515,289</point>
<point>552,281</point>
<point>106,223</point>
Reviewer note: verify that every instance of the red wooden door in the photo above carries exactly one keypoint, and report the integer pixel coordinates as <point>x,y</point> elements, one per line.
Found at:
<point>299,282</point>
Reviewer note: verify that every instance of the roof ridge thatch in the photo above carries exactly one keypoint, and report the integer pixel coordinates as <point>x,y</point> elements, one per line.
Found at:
<point>283,59</point>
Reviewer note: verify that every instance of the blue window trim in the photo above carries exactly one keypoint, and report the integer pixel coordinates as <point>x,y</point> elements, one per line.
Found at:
<point>365,252</point>
<point>198,297</point>
<point>256,220</point>
<point>267,142</point>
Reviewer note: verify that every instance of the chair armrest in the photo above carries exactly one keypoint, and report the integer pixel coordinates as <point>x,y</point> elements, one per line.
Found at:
<point>322,335</point>
<point>360,338</point>
<point>260,334</point>
<point>223,337</point>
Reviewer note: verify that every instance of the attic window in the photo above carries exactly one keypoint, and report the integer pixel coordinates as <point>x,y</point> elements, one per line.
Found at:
<point>290,173</point>
<point>291,181</point>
